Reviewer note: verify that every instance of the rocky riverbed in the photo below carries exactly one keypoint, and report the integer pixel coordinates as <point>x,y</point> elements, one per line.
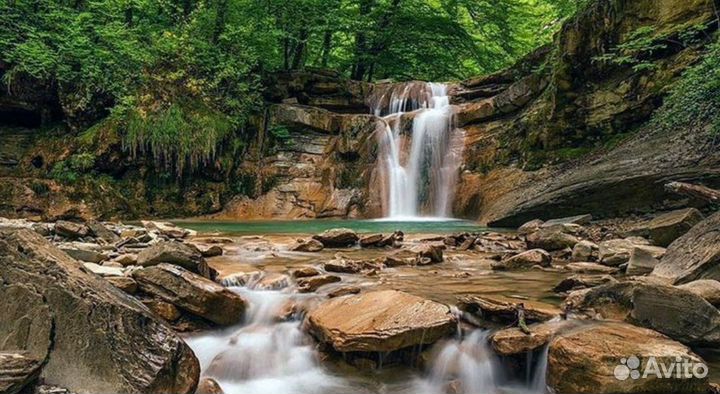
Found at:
<point>555,305</point>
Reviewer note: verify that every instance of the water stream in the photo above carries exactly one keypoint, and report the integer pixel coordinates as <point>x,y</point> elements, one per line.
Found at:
<point>419,171</point>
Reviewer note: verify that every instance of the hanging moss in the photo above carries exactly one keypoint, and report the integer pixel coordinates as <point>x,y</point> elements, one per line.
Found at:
<point>177,137</point>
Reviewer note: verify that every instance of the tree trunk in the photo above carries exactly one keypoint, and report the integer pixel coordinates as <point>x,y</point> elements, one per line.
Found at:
<point>327,46</point>
<point>696,191</point>
<point>300,49</point>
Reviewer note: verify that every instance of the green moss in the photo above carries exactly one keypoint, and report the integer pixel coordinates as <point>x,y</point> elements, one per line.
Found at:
<point>178,137</point>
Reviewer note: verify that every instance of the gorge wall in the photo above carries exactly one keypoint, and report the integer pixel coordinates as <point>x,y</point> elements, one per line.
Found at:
<point>559,133</point>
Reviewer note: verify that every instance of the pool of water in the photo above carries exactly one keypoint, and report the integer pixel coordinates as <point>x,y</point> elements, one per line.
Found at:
<point>263,227</point>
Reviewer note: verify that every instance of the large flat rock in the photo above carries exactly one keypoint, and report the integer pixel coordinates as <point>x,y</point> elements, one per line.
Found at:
<point>93,337</point>
<point>17,370</point>
<point>586,361</point>
<point>695,255</point>
<point>379,321</point>
<point>189,291</point>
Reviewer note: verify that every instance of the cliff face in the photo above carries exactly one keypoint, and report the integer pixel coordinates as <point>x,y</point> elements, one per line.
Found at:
<point>560,133</point>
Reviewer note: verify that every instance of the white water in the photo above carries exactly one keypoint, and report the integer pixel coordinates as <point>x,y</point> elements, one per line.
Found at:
<point>419,180</point>
<point>264,356</point>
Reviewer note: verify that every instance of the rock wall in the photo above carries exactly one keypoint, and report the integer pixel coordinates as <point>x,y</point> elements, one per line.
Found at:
<point>541,140</point>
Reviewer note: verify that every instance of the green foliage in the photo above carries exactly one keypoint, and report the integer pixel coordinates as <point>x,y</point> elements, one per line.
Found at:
<point>637,51</point>
<point>694,101</point>
<point>71,169</point>
<point>176,137</point>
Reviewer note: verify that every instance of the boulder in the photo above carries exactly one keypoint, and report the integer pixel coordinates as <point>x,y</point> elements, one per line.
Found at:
<point>176,253</point>
<point>337,238</point>
<point>165,310</point>
<point>192,293</point>
<point>210,250</point>
<point>71,230</point>
<point>117,346</point>
<point>666,228</point>
<point>103,270</point>
<point>379,321</point>
<point>17,370</point>
<point>311,284</point>
<point>305,272</point>
<point>343,291</point>
<point>616,252</point>
<point>504,310</point>
<point>350,266</point>
<point>167,229</point>
<point>102,233</point>
<point>677,313</point>
<point>273,281</point>
<point>590,268</point>
<point>124,283</point>
<point>576,282</point>
<point>83,251</point>
<point>434,253</point>
<point>708,289</point>
<point>371,240</point>
<point>311,245</point>
<point>643,259</point>
<point>695,255</point>
<point>527,259</point>
<point>126,259</point>
<point>513,341</point>
<point>551,239</point>
<point>209,386</point>
<point>595,360</point>
<point>530,227</point>
<point>584,251</point>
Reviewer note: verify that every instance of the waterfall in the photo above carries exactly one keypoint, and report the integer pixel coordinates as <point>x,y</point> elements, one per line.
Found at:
<point>419,180</point>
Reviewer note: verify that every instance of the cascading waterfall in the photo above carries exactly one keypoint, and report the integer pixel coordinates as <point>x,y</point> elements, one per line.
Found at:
<point>419,181</point>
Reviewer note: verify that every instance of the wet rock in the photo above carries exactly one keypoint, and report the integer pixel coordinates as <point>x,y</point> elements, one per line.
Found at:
<point>695,255</point>
<point>616,252</point>
<point>590,268</point>
<point>379,321</point>
<point>311,245</point>
<point>165,310</point>
<point>577,282</point>
<point>708,289</point>
<point>167,229</point>
<point>677,313</point>
<point>428,251</point>
<point>71,230</point>
<point>371,240</point>
<point>175,253</point>
<point>504,310</point>
<point>273,281</point>
<point>192,293</point>
<point>103,270</point>
<point>210,250</point>
<point>513,341</point>
<point>116,347</point>
<point>586,361</point>
<point>341,265</point>
<point>124,283</point>
<point>585,251</point>
<point>17,370</point>
<point>311,284</point>
<point>551,238</point>
<point>525,260</point>
<point>643,259</point>
<point>100,232</point>
<point>468,243</point>
<point>666,228</point>
<point>305,272</point>
<point>209,386</point>
<point>343,291</point>
<point>397,260</point>
<point>337,238</point>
